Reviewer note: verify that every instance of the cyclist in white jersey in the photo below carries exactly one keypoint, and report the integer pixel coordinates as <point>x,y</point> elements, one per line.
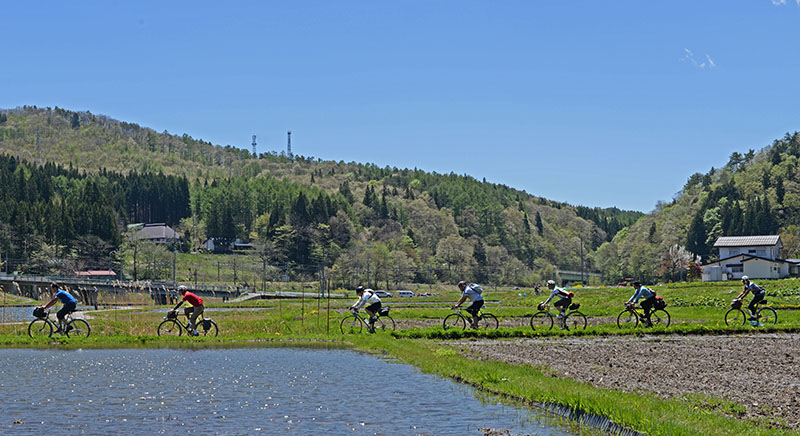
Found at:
<point>565,298</point>
<point>475,297</point>
<point>367,297</point>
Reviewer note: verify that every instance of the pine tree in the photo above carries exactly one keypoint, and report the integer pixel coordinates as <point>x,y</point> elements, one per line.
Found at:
<point>696,237</point>
<point>539,225</point>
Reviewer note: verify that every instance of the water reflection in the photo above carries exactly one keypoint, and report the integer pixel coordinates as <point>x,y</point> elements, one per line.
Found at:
<point>240,391</point>
<point>25,313</point>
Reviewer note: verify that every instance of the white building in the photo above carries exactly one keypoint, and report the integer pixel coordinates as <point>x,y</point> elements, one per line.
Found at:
<point>753,256</point>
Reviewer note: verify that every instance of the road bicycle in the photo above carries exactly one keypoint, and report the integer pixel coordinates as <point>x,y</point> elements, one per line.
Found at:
<point>355,323</point>
<point>572,320</point>
<point>170,326</point>
<point>737,316</point>
<point>43,326</point>
<point>457,320</point>
<point>631,317</point>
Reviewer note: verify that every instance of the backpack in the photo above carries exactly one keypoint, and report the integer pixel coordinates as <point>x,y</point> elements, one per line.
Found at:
<point>476,287</point>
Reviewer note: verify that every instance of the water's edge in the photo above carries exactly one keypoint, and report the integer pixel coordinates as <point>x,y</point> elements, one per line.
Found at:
<point>567,413</point>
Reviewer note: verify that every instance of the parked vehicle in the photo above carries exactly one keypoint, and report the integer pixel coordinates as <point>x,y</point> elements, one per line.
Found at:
<point>405,294</point>
<point>383,294</point>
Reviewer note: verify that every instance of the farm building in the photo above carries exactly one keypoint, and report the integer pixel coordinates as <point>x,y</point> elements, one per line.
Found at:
<point>753,256</point>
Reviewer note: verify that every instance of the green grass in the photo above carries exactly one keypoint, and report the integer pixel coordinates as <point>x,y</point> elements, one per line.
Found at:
<point>696,309</point>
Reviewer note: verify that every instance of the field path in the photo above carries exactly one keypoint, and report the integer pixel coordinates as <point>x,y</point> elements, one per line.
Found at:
<point>759,371</point>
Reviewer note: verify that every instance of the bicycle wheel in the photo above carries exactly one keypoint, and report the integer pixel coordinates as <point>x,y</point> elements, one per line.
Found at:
<point>170,327</point>
<point>351,324</point>
<point>454,321</point>
<point>40,327</point>
<point>735,318</point>
<point>542,321</point>
<point>767,316</point>
<point>576,321</point>
<point>487,321</point>
<point>627,318</point>
<point>384,323</point>
<point>207,327</point>
<point>78,328</point>
<point>660,317</point>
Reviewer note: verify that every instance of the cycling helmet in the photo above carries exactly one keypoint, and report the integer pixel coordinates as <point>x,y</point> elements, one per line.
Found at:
<point>182,288</point>
<point>359,288</point>
<point>551,282</point>
<point>745,278</point>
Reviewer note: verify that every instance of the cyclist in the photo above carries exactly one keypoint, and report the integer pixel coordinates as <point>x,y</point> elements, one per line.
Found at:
<point>475,297</point>
<point>191,312</point>
<point>565,298</point>
<point>69,304</point>
<point>646,304</point>
<point>759,294</point>
<point>368,298</point>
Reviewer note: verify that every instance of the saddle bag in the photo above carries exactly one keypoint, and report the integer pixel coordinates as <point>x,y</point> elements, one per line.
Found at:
<point>384,311</point>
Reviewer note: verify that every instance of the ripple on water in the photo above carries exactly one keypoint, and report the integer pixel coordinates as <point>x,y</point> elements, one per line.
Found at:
<point>239,391</point>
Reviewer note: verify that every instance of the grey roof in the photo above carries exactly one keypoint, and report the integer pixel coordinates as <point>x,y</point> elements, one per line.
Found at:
<point>157,231</point>
<point>747,241</point>
<point>746,257</point>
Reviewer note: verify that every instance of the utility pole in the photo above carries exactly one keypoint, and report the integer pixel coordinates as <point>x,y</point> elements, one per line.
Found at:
<point>580,238</point>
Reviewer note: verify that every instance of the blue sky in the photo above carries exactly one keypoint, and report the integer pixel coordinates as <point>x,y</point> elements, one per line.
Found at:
<point>596,103</point>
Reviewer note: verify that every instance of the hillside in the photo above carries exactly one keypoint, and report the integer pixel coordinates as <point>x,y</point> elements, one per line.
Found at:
<point>753,193</point>
<point>369,223</point>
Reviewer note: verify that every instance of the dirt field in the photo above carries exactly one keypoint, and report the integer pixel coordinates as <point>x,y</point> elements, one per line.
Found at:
<point>760,372</point>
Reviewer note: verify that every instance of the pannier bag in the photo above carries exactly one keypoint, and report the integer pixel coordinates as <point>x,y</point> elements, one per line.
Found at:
<point>574,306</point>
<point>660,303</point>
<point>384,311</point>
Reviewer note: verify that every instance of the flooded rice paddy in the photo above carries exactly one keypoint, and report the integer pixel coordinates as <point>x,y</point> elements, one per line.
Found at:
<point>240,391</point>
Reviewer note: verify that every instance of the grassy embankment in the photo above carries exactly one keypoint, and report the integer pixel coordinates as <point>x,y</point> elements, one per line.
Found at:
<point>695,309</point>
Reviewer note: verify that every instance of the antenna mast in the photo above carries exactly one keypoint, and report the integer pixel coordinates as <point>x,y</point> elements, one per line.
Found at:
<point>254,145</point>
<point>289,145</point>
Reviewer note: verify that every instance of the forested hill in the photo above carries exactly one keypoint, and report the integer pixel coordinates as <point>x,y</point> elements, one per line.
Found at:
<point>356,218</point>
<point>755,193</point>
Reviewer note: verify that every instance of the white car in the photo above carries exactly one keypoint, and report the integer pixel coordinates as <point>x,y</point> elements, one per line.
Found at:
<point>405,294</point>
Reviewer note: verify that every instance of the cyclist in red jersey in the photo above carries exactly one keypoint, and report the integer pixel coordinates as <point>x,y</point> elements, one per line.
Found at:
<point>191,312</point>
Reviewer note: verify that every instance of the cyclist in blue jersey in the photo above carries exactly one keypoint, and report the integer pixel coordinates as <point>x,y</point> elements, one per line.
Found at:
<point>69,304</point>
<point>647,304</point>
<point>475,297</point>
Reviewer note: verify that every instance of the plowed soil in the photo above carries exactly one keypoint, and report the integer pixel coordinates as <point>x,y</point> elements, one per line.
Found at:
<point>760,372</point>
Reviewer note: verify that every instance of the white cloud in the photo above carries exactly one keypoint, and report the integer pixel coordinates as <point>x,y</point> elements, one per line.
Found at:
<point>780,2</point>
<point>702,62</point>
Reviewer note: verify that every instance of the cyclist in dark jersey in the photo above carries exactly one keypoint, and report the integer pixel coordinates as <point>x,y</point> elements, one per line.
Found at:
<point>759,294</point>
<point>69,304</point>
